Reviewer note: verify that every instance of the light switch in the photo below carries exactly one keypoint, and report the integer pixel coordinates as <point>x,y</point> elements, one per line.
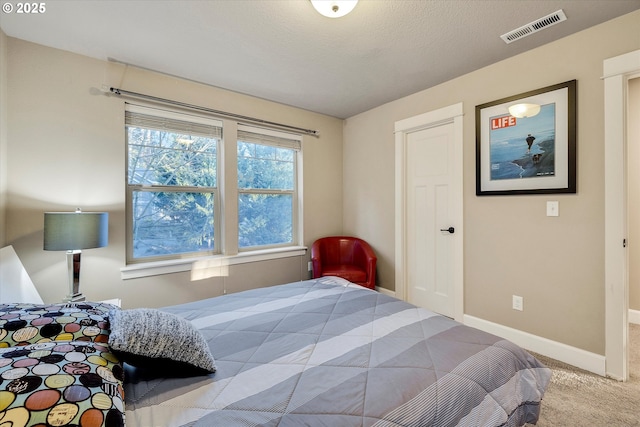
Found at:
<point>553,208</point>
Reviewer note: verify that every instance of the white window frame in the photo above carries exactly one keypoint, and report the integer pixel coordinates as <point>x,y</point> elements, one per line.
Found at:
<point>226,214</point>
<point>282,140</point>
<point>161,113</point>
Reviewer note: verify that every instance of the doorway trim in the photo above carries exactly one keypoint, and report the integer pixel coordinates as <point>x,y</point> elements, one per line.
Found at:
<point>617,72</point>
<point>451,114</point>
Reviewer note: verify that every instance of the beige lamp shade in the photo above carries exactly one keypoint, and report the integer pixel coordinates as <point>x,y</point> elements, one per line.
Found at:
<point>68,231</point>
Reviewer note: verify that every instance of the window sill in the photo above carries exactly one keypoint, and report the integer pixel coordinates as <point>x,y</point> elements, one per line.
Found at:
<point>204,266</point>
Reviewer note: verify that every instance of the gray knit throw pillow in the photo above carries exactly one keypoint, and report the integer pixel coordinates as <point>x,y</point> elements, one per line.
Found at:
<point>153,339</point>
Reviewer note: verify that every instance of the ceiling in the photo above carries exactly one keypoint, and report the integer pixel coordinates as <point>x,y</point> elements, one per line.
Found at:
<point>284,51</point>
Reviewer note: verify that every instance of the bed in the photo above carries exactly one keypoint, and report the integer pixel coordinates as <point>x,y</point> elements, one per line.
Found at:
<point>326,352</point>
<point>322,352</point>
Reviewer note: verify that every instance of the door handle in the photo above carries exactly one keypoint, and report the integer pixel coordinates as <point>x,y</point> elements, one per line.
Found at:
<point>450,230</point>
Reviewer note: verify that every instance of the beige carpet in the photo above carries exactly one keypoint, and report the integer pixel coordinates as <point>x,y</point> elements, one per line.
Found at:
<point>579,398</point>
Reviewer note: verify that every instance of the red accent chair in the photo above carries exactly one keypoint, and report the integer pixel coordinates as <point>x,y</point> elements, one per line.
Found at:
<point>347,257</point>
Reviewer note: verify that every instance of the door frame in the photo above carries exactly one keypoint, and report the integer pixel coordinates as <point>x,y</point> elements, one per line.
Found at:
<point>617,72</point>
<point>452,114</point>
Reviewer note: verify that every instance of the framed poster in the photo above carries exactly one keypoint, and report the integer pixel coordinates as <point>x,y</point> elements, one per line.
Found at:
<point>528,152</point>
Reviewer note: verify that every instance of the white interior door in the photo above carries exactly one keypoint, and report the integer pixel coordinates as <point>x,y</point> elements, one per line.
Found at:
<point>429,255</point>
<point>429,248</point>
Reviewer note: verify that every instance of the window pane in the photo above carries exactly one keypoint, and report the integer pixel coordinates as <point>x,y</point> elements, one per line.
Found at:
<point>265,167</point>
<point>265,219</point>
<point>166,223</point>
<point>166,158</point>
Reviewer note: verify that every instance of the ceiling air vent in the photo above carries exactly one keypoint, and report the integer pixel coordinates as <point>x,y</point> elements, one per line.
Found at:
<point>534,27</point>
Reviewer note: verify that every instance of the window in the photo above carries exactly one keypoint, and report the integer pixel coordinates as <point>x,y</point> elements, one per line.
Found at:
<point>172,183</point>
<point>180,195</point>
<point>267,196</point>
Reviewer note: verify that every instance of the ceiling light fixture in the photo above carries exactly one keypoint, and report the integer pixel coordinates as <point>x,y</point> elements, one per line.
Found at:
<point>334,8</point>
<point>524,110</point>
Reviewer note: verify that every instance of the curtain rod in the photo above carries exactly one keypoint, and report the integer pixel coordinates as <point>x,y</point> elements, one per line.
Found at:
<point>121,92</point>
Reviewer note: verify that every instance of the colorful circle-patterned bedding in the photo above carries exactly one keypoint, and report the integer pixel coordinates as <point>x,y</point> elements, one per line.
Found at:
<point>65,383</point>
<point>22,324</point>
<point>56,368</point>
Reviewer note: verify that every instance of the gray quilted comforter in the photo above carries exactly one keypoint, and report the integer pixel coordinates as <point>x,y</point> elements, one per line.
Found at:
<point>326,352</point>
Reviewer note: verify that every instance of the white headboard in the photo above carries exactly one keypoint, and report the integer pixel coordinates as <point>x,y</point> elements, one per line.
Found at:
<point>15,283</point>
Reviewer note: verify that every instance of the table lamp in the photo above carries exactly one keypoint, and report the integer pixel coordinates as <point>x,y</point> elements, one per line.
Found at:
<point>72,232</point>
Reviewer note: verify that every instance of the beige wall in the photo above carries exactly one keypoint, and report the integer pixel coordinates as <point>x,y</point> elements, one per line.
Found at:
<point>634,193</point>
<point>511,246</point>
<point>66,149</point>
<point>3,136</point>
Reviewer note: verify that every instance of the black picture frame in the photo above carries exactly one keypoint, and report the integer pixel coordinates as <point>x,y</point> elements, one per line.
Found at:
<point>508,164</point>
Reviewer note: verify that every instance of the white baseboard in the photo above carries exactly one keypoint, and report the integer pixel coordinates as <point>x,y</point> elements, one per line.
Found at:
<point>574,356</point>
<point>583,359</point>
<point>634,315</point>
<point>386,291</point>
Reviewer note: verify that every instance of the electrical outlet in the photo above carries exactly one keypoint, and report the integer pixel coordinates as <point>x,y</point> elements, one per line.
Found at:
<point>518,303</point>
<point>309,266</point>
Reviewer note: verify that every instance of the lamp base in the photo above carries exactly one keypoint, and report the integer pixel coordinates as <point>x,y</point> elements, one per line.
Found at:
<point>73,265</point>
<point>79,297</point>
